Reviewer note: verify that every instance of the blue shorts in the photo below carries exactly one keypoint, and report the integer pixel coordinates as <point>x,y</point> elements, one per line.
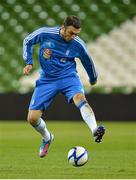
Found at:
<point>45,91</point>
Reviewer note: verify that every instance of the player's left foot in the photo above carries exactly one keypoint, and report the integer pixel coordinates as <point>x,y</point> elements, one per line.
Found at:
<point>98,134</point>
<point>45,146</point>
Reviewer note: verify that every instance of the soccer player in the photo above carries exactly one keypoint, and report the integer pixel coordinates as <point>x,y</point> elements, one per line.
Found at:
<point>59,46</point>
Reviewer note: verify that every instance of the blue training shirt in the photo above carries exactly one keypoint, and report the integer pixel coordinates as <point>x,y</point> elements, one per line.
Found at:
<point>57,56</point>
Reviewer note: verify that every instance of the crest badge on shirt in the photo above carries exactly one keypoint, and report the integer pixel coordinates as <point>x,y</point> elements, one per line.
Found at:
<point>47,53</point>
<point>67,52</point>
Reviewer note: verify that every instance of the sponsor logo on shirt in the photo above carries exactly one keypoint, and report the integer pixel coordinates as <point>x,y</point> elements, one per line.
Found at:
<point>49,44</point>
<point>47,53</point>
<point>63,60</point>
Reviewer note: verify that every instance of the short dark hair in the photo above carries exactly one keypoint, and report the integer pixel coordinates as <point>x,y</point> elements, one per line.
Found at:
<point>72,21</point>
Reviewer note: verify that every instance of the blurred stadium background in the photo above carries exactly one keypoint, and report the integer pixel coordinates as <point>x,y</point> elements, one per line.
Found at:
<point>109,29</point>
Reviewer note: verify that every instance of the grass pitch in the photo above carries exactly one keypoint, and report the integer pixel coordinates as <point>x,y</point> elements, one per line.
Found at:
<point>115,158</point>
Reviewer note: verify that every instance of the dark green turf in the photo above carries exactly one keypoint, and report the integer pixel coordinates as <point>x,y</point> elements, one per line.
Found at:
<point>114,158</point>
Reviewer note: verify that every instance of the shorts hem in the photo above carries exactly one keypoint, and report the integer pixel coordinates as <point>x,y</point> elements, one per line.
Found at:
<point>36,109</point>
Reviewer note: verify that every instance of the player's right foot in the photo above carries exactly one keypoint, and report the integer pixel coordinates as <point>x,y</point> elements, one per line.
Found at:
<point>98,134</point>
<point>45,146</point>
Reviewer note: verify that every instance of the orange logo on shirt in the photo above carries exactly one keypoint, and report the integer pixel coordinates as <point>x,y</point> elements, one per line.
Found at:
<point>47,53</point>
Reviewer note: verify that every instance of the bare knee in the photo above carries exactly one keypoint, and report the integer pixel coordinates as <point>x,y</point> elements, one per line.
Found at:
<point>33,116</point>
<point>31,119</point>
<point>78,98</point>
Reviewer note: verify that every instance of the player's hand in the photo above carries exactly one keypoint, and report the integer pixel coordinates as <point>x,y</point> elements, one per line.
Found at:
<point>27,69</point>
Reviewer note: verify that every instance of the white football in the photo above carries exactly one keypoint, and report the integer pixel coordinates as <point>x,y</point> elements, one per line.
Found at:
<point>77,156</point>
